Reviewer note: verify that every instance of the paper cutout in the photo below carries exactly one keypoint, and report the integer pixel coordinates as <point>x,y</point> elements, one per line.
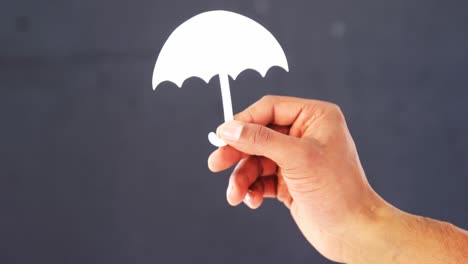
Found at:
<point>217,43</point>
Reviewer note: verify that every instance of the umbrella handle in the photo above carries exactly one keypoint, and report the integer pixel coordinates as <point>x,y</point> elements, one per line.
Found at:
<point>215,140</point>
<point>227,108</point>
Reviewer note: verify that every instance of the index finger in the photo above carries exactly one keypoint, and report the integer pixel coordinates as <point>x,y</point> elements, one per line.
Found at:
<point>281,111</point>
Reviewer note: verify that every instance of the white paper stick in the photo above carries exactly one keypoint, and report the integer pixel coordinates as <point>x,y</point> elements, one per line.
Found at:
<point>226,96</point>
<point>227,108</point>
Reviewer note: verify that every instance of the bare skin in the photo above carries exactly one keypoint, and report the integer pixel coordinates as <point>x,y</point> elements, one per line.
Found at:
<point>301,152</point>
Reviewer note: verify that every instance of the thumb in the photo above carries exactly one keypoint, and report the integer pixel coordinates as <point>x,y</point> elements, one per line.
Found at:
<point>259,140</point>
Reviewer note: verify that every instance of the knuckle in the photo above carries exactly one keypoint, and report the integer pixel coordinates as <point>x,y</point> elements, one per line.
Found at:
<point>260,136</point>
<point>334,108</point>
<point>336,113</point>
<point>269,98</point>
<point>258,186</point>
<point>250,115</point>
<point>240,179</point>
<point>282,192</point>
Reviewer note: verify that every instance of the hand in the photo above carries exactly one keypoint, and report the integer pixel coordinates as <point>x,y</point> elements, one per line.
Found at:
<point>300,151</point>
<point>307,159</point>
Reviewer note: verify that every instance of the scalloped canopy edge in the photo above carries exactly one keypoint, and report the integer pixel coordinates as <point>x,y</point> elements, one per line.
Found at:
<point>179,84</point>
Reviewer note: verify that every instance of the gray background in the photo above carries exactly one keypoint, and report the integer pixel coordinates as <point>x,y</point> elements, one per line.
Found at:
<point>96,167</point>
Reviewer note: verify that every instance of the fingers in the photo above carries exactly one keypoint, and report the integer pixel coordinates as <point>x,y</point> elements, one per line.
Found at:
<point>277,110</point>
<point>248,182</point>
<point>263,187</point>
<point>267,166</point>
<point>298,113</point>
<point>225,157</point>
<point>243,176</point>
<point>259,140</point>
<point>269,186</point>
<point>280,129</point>
<point>254,197</point>
<point>282,191</point>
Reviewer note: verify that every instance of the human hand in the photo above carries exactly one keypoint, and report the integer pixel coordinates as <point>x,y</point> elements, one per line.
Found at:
<point>305,158</point>
<point>301,152</point>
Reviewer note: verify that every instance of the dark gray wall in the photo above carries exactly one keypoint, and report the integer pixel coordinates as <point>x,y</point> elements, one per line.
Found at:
<point>96,167</point>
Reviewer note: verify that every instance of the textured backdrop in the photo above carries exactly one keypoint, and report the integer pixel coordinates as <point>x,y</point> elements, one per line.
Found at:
<point>96,167</point>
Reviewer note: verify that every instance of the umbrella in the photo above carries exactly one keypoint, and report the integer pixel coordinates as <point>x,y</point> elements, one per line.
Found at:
<point>217,43</point>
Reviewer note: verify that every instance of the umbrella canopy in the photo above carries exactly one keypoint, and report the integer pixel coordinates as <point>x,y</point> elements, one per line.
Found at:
<point>217,42</point>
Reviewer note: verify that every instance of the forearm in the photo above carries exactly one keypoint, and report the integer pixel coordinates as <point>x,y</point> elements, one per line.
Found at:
<point>392,236</point>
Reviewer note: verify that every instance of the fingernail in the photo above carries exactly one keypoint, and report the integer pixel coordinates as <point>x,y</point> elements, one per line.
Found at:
<point>248,198</point>
<point>231,130</point>
<point>229,190</point>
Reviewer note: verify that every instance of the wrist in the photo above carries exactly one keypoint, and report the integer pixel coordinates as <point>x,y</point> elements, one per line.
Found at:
<point>388,235</point>
<point>372,236</point>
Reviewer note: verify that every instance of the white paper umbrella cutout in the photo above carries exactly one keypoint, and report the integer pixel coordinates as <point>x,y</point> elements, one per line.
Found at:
<point>217,43</point>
